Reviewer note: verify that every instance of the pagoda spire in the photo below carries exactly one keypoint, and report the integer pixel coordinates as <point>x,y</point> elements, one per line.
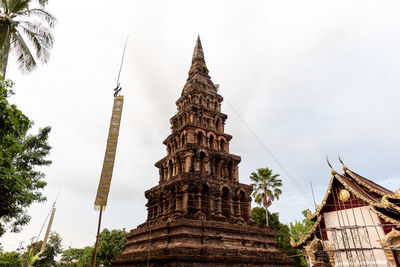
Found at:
<point>198,70</point>
<point>198,54</point>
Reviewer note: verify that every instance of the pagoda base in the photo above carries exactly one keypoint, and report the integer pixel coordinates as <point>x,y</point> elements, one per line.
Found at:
<point>188,242</point>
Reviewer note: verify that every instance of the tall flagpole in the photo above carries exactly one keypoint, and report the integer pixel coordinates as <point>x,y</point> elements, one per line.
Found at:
<point>109,158</point>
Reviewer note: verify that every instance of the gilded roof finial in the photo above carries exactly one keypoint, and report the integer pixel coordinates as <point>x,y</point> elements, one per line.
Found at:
<point>344,166</point>
<point>333,172</point>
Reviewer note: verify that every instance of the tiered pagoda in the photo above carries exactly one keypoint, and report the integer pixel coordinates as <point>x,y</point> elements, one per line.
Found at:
<point>199,213</point>
<point>358,223</point>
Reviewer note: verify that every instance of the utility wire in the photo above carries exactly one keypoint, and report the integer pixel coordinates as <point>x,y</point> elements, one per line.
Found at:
<point>274,158</point>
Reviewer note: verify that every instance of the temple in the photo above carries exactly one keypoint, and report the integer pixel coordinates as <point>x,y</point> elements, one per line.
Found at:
<point>199,213</point>
<point>358,223</point>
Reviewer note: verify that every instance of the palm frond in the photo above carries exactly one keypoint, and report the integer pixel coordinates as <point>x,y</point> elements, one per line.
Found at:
<point>41,13</point>
<point>16,6</point>
<point>24,57</point>
<point>4,4</point>
<point>41,39</point>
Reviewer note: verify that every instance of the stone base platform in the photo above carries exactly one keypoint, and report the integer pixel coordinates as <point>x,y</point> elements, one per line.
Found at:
<point>187,242</point>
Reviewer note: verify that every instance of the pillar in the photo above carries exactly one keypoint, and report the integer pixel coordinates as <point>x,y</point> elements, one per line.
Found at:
<point>198,200</point>
<point>212,204</point>
<point>218,203</point>
<point>185,198</point>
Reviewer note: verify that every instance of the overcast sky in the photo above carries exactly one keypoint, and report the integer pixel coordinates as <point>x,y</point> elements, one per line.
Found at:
<point>311,78</point>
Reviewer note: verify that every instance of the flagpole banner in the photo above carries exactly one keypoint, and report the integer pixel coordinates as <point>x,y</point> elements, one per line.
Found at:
<point>46,236</point>
<point>109,158</point>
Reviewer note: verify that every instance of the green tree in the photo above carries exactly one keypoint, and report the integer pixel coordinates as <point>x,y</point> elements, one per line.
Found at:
<point>111,244</point>
<point>20,154</point>
<point>87,256</point>
<point>72,254</point>
<point>302,227</point>
<point>10,259</point>
<point>282,236</point>
<point>22,20</point>
<point>265,188</point>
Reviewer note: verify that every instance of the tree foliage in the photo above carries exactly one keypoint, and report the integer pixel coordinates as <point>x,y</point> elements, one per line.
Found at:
<point>72,254</point>
<point>20,155</point>
<point>266,187</point>
<point>282,236</point>
<point>10,259</point>
<point>87,256</point>
<point>302,227</point>
<point>22,20</point>
<point>111,243</point>
<point>48,256</point>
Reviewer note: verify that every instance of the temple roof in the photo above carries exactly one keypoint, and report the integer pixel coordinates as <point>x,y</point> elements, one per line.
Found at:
<point>198,72</point>
<point>385,203</point>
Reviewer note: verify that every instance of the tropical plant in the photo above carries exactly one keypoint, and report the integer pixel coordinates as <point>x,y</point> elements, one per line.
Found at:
<point>35,257</point>
<point>300,228</point>
<point>31,258</point>
<point>265,188</point>
<point>22,20</point>
<point>20,155</point>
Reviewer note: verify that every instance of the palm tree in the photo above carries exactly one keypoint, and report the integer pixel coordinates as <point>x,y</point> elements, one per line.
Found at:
<point>265,188</point>
<point>17,24</point>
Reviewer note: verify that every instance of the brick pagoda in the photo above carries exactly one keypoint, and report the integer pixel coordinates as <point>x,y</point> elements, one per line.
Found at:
<point>199,213</point>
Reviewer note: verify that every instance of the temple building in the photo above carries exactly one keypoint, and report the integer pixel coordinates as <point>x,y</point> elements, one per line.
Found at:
<point>199,213</point>
<point>358,223</point>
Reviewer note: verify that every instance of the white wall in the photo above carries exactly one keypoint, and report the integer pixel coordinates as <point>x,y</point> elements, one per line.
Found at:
<point>362,230</point>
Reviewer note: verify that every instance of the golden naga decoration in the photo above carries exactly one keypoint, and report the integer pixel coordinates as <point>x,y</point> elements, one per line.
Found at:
<point>344,195</point>
<point>301,235</point>
<point>310,250</point>
<point>309,215</point>
<point>292,242</point>
<point>370,188</point>
<point>396,194</point>
<point>391,241</point>
<point>386,203</point>
<point>350,173</point>
<point>386,218</point>
<point>394,234</point>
